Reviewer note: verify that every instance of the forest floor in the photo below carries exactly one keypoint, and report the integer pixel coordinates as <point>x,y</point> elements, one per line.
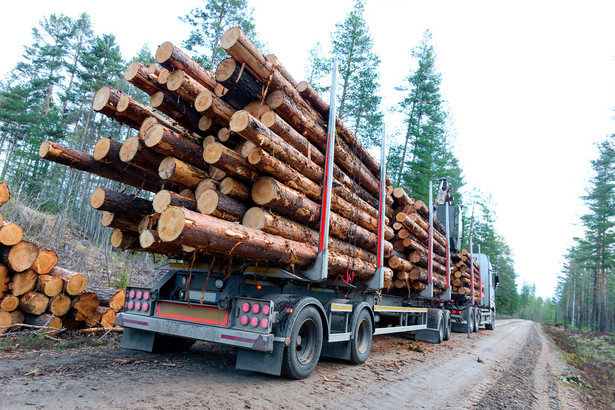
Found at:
<point>515,366</point>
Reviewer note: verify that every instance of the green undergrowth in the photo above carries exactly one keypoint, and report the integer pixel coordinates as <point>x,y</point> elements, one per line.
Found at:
<point>592,354</point>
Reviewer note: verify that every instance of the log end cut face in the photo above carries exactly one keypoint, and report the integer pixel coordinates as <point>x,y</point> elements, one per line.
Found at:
<point>154,135</point>
<point>44,149</point>
<point>129,149</point>
<point>161,201</point>
<point>213,152</point>
<point>98,198</point>
<point>240,121</point>
<point>156,99</point>
<point>254,218</point>
<point>230,37</point>
<point>175,80</point>
<point>101,149</point>
<point>164,52</point>
<point>132,70</point>
<point>264,191</point>
<point>101,98</point>
<point>22,256</point>
<point>147,238</point>
<point>208,201</point>
<point>203,101</point>
<point>225,69</point>
<point>171,224</point>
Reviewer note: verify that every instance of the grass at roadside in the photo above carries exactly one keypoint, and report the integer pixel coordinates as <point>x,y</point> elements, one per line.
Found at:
<point>592,354</point>
<point>66,340</point>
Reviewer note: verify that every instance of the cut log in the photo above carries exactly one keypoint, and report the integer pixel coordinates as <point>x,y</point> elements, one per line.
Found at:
<point>10,234</point>
<point>177,109</point>
<point>111,201</point>
<point>173,58</point>
<point>46,261</point>
<point>20,256</point>
<point>214,203</point>
<point>234,189</point>
<point>9,303</point>
<point>5,194</point>
<point>135,152</point>
<point>153,68</point>
<point>177,171</point>
<point>243,87</point>
<point>5,278</point>
<point>203,186</point>
<point>112,220</point>
<point>74,283</point>
<point>33,303</point>
<point>185,86</point>
<point>165,199</point>
<point>143,78</point>
<point>106,100</point>
<point>84,162</point>
<point>44,320</point>
<point>49,285</point>
<point>107,319</point>
<point>168,142</point>
<point>23,282</point>
<point>229,161</point>
<point>94,320</point>
<point>85,304</point>
<point>113,298</point>
<point>124,240</point>
<point>6,321</point>
<point>208,102</point>
<point>59,305</point>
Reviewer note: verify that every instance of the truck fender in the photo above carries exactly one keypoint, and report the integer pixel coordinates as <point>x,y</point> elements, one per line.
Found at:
<point>287,307</point>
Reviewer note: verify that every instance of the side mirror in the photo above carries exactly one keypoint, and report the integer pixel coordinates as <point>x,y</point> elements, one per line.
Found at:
<point>496,280</point>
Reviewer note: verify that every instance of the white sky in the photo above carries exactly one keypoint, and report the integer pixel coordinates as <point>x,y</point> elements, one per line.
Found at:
<point>530,85</point>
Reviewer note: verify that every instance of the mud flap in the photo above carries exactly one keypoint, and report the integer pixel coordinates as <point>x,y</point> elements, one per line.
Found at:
<point>338,350</point>
<point>432,333</point>
<point>268,363</point>
<point>459,327</point>
<point>135,339</point>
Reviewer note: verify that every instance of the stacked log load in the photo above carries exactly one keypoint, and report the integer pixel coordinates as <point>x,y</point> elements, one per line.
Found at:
<point>36,292</point>
<point>461,281</point>
<point>230,165</point>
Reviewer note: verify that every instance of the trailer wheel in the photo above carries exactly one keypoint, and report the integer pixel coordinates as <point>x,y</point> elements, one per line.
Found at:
<point>447,325</point>
<point>470,319</point>
<point>491,324</point>
<point>361,341</point>
<point>301,356</point>
<point>477,320</point>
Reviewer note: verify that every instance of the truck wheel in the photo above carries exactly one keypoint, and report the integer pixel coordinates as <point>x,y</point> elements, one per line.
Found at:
<point>361,341</point>
<point>441,329</point>
<point>471,319</point>
<point>491,324</point>
<point>301,356</point>
<point>171,344</point>
<point>476,320</point>
<point>447,325</point>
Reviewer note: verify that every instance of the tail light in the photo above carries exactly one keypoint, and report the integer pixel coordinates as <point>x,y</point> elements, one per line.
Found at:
<point>254,314</point>
<point>138,301</point>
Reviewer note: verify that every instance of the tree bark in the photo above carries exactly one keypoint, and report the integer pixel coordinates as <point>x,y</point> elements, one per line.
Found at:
<point>214,203</point>
<point>111,201</point>
<point>173,58</point>
<point>176,171</point>
<point>33,303</point>
<point>49,285</point>
<point>168,142</point>
<point>59,305</point>
<point>165,199</point>
<point>74,283</point>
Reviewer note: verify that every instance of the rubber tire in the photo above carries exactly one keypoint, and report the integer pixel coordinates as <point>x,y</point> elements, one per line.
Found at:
<point>476,320</point>
<point>471,319</point>
<point>301,359</point>
<point>171,344</point>
<point>441,329</point>
<point>491,326</point>
<point>361,340</point>
<point>447,323</point>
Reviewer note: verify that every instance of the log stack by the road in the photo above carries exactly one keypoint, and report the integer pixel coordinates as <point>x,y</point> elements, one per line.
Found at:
<point>230,165</point>
<point>36,292</point>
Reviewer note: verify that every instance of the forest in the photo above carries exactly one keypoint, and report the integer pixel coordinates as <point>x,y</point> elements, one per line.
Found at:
<point>48,96</point>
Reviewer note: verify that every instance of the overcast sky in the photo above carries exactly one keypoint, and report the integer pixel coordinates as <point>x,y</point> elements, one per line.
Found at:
<point>530,86</point>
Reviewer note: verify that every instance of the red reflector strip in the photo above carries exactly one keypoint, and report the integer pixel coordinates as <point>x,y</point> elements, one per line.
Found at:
<point>135,322</point>
<point>238,339</point>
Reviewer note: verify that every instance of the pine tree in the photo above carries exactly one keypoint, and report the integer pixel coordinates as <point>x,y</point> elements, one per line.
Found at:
<point>209,24</point>
<point>599,223</point>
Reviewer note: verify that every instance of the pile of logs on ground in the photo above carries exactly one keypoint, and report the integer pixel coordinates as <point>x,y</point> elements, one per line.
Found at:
<point>461,280</point>
<point>35,292</point>
<point>230,165</point>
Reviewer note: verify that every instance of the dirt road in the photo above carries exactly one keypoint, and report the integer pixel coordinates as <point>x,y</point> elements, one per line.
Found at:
<point>400,373</point>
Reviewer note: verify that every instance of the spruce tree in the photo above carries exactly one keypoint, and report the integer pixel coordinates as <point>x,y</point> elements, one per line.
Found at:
<point>209,23</point>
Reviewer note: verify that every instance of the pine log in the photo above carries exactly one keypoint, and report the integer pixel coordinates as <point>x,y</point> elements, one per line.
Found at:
<point>143,78</point>
<point>5,279</point>
<point>185,86</point>
<point>106,100</point>
<point>395,262</point>
<point>85,304</point>
<point>94,320</point>
<point>124,240</point>
<point>312,96</point>
<point>46,261</point>
<point>5,194</point>
<point>19,257</point>
<point>208,102</point>
<point>43,320</point>
<point>235,189</point>
<point>139,113</point>
<point>177,109</point>
<point>243,87</point>
<point>206,123</point>
<point>6,321</point>
<point>168,142</point>
<point>9,303</point>
<point>107,319</point>
<point>164,76</point>
<point>289,203</point>
<point>10,233</point>
<point>153,68</point>
<point>259,218</point>
<point>148,222</point>
<point>135,152</point>
<point>257,109</point>
<point>23,282</point>
<point>49,285</point>
<point>173,58</point>
<point>111,201</point>
<point>33,303</point>
<point>119,221</point>
<point>113,298</point>
<point>204,185</point>
<point>59,304</point>
<point>165,199</point>
<point>149,241</point>
<point>74,283</point>
<point>214,203</point>
<point>402,197</point>
<point>229,161</point>
<point>84,162</point>
<point>177,171</point>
